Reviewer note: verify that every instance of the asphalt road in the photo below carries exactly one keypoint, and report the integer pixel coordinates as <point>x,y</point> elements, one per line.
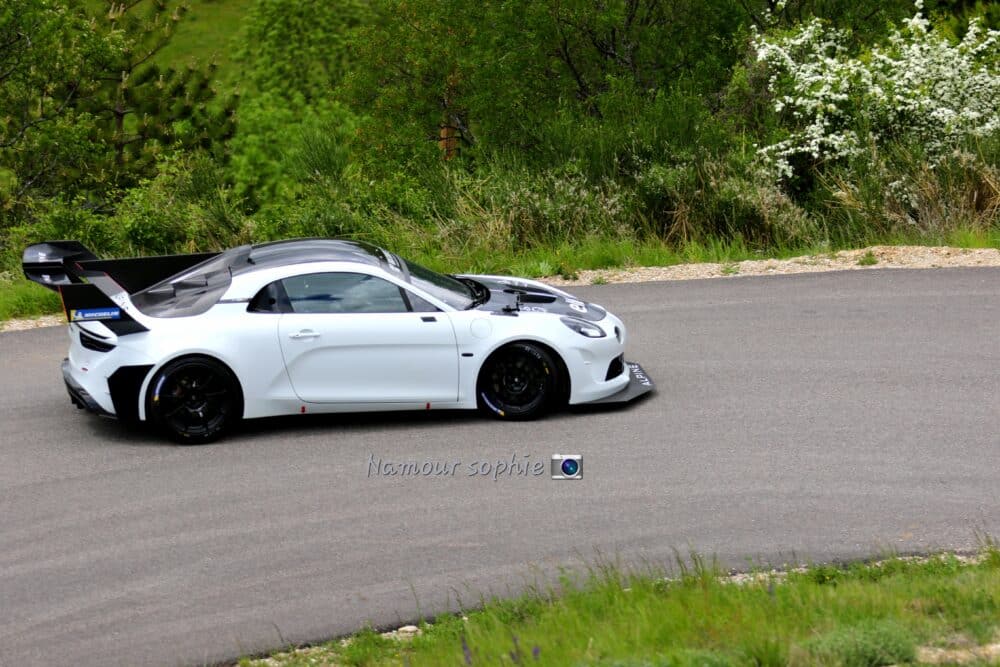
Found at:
<point>814,416</point>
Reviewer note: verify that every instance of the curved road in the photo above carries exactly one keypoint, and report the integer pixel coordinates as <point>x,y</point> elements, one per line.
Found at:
<point>813,416</point>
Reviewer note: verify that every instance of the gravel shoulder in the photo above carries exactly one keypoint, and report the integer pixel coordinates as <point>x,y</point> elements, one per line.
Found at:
<point>874,257</point>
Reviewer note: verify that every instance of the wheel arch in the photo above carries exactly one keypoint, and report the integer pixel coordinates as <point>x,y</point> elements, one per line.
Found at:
<point>565,381</point>
<point>144,392</point>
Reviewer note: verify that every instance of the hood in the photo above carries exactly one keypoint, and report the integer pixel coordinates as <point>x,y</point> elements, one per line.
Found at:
<point>522,295</point>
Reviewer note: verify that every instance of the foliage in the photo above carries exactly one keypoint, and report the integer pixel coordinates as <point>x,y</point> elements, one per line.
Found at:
<point>87,107</point>
<point>283,143</point>
<point>299,46</point>
<point>49,53</point>
<point>918,86</point>
<point>495,73</point>
<point>291,131</point>
<point>145,107</point>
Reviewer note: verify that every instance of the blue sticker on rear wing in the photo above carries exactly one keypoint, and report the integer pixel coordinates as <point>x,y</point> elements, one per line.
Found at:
<point>85,314</point>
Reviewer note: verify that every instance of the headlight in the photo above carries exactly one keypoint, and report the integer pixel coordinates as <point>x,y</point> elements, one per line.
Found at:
<point>583,327</point>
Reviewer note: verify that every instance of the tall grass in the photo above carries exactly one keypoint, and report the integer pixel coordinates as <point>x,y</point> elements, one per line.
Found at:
<point>854,615</point>
<point>19,298</point>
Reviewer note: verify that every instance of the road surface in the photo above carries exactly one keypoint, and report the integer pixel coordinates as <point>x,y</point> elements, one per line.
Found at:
<point>812,417</point>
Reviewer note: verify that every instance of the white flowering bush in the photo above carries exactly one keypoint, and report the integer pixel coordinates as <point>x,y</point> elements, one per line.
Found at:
<point>918,85</point>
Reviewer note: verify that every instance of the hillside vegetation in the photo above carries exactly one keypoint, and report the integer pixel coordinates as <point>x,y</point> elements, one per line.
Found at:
<point>499,135</point>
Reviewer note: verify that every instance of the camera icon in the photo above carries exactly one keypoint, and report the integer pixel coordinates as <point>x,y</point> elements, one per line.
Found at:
<point>567,466</point>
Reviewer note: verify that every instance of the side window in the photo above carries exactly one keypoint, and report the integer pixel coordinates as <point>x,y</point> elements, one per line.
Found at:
<point>271,299</point>
<point>420,305</point>
<point>342,293</point>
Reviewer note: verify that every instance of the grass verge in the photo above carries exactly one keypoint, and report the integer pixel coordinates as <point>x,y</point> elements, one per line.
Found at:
<point>891,612</point>
<point>20,298</point>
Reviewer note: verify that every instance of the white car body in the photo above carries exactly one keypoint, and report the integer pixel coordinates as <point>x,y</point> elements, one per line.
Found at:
<point>325,362</point>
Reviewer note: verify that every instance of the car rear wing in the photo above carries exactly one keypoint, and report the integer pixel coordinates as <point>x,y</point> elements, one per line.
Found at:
<point>94,289</point>
<point>53,263</point>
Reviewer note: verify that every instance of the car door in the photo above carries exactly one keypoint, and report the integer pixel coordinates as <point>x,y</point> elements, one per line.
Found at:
<point>351,337</point>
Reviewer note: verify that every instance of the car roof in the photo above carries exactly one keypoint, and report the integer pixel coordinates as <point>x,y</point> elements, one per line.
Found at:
<point>196,289</point>
<point>300,251</point>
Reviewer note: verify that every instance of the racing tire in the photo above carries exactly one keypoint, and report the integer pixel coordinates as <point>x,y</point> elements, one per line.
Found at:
<point>194,400</point>
<point>519,381</point>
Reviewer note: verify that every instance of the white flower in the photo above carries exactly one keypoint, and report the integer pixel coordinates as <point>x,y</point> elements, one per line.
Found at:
<point>917,84</point>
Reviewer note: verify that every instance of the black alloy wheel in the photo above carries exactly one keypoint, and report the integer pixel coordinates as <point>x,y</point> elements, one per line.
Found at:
<point>518,381</point>
<point>194,400</point>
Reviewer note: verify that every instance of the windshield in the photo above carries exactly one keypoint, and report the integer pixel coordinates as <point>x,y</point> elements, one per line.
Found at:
<point>453,292</point>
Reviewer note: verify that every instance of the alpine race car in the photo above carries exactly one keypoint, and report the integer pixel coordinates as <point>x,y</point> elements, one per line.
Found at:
<point>195,343</point>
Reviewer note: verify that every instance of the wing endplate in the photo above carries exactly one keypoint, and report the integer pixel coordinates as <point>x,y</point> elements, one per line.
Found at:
<point>53,263</point>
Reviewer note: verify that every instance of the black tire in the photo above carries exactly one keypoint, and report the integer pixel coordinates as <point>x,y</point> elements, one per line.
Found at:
<point>194,400</point>
<point>518,381</point>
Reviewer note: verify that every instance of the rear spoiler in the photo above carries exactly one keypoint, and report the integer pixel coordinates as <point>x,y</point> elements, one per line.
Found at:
<point>55,263</point>
<point>94,289</point>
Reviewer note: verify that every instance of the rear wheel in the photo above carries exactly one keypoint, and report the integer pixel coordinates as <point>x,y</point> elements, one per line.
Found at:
<point>194,400</point>
<point>518,381</point>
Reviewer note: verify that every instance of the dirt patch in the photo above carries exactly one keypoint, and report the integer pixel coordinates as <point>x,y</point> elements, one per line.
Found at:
<point>34,323</point>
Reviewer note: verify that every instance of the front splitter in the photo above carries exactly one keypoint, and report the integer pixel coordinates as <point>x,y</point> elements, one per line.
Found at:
<point>639,384</point>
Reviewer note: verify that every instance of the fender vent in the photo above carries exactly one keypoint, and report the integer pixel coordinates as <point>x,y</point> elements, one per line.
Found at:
<point>94,343</point>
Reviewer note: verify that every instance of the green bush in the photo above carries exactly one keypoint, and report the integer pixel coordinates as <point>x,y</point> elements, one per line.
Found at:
<point>283,143</point>
<point>867,644</point>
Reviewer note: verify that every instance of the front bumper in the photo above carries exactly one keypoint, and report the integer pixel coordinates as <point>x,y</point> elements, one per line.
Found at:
<point>638,385</point>
<point>79,396</point>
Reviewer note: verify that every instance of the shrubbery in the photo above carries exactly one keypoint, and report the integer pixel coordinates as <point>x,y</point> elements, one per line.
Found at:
<point>574,123</point>
<point>917,87</point>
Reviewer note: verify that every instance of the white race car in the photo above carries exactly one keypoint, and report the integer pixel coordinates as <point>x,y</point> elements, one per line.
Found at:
<point>194,343</point>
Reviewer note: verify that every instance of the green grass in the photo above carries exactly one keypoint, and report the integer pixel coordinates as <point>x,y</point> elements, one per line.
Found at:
<point>209,32</point>
<point>868,259</point>
<point>21,298</point>
<point>860,615</point>
<point>958,238</point>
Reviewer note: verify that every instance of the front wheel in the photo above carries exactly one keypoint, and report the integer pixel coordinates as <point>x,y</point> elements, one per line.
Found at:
<point>194,400</point>
<point>518,381</point>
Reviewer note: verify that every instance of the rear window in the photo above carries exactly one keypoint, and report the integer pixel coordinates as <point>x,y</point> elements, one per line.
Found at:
<point>190,292</point>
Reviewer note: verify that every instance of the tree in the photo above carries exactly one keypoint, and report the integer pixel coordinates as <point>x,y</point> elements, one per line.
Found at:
<point>299,46</point>
<point>294,55</point>
<point>495,72</point>
<point>85,106</point>
<point>144,106</point>
<point>48,55</point>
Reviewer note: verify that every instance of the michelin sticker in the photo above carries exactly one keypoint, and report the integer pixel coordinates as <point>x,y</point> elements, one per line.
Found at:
<point>84,314</point>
